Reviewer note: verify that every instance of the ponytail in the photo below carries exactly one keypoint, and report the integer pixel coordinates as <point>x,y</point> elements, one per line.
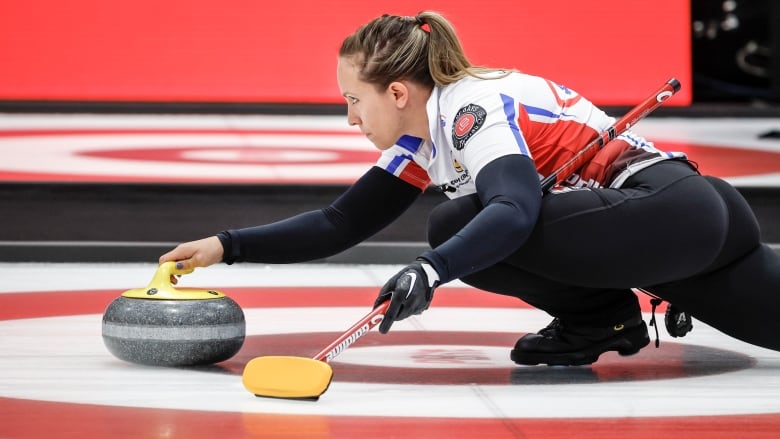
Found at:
<point>424,48</point>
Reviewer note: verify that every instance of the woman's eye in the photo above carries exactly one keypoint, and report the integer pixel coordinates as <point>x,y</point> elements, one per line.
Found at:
<point>352,100</point>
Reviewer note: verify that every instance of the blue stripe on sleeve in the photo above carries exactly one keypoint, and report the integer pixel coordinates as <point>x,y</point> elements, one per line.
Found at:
<point>397,161</point>
<point>540,112</point>
<point>511,117</point>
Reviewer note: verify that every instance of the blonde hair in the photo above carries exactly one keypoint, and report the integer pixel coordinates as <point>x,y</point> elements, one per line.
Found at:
<point>391,47</point>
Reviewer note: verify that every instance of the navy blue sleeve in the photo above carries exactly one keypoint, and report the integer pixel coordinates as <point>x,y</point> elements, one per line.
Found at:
<point>510,192</point>
<point>368,206</point>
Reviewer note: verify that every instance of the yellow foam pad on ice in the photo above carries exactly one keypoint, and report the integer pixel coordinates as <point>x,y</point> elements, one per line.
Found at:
<point>287,377</point>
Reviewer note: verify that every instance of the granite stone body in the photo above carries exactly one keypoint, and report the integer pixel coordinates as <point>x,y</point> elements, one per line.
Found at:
<point>173,332</point>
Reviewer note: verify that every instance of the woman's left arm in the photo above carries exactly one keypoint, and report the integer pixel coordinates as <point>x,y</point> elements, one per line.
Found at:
<point>510,192</point>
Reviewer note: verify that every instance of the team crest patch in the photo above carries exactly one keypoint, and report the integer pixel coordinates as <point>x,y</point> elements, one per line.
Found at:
<point>467,122</point>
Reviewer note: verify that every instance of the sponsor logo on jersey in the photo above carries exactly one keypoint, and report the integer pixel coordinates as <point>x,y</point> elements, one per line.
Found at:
<point>457,166</point>
<point>467,122</point>
<point>461,179</point>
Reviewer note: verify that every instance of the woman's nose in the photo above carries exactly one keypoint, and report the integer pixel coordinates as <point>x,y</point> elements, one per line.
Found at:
<point>352,119</point>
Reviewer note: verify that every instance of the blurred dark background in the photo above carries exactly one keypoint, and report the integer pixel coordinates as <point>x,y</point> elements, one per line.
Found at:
<point>735,51</point>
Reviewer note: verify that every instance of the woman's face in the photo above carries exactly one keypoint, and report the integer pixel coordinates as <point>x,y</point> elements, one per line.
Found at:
<point>377,113</point>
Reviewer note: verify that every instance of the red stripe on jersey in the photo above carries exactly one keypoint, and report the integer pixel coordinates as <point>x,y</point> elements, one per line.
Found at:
<point>552,145</point>
<point>562,102</point>
<point>523,122</point>
<point>415,175</point>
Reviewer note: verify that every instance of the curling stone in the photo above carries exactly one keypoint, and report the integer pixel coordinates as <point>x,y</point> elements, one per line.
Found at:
<point>163,326</point>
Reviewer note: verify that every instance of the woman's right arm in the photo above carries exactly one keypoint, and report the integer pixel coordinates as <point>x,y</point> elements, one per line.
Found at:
<point>368,206</point>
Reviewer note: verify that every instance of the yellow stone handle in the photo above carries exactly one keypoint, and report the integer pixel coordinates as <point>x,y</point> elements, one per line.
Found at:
<point>161,287</point>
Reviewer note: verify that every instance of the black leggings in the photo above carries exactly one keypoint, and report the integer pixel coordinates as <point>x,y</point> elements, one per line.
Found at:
<point>690,239</point>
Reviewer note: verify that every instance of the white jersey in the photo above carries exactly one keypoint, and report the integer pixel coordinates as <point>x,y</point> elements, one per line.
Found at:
<point>474,121</point>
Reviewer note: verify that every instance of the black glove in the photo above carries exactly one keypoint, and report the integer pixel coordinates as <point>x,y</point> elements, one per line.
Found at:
<point>410,292</point>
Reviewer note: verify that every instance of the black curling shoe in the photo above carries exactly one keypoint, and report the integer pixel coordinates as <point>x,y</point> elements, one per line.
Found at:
<point>562,344</point>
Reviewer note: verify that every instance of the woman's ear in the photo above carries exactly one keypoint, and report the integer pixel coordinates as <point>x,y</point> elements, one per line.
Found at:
<point>399,92</point>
